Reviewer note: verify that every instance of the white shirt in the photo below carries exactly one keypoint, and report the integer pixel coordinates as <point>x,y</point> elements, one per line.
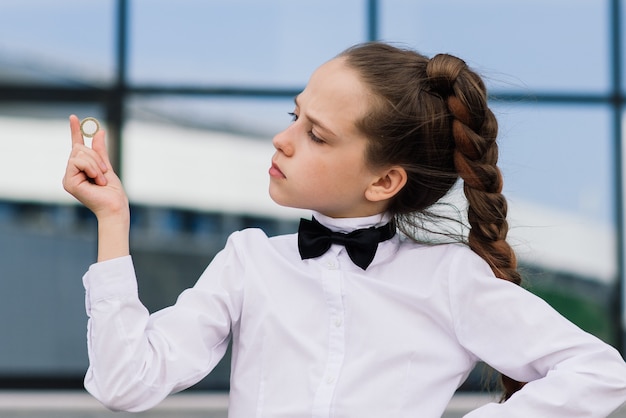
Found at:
<point>323,338</point>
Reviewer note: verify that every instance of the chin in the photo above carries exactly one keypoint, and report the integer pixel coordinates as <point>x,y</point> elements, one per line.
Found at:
<point>285,200</point>
<point>281,201</point>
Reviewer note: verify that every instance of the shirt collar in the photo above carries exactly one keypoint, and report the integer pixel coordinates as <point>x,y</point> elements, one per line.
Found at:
<point>350,224</point>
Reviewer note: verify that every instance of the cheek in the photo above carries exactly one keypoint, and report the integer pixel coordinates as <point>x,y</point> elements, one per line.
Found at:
<point>334,173</point>
<point>313,165</point>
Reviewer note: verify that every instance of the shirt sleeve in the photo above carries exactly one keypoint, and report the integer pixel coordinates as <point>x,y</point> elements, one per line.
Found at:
<point>570,373</point>
<point>137,359</point>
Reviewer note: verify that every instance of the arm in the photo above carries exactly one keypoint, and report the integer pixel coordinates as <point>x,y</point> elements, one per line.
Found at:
<point>90,178</point>
<point>569,372</point>
<point>137,359</point>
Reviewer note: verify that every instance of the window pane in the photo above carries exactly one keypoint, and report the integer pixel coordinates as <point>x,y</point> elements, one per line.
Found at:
<point>210,154</point>
<point>551,45</point>
<point>558,176</point>
<point>38,136</point>
<point>57,42</point>
<point>47,242</point>
<point>559,148</point>
<point>260,117</point>
<point>276,42</point>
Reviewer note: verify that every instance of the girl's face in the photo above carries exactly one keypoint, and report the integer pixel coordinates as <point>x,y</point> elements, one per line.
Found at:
<point>319,163</point>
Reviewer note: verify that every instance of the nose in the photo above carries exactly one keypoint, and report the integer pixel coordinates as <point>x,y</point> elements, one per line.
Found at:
<point>282,142</point>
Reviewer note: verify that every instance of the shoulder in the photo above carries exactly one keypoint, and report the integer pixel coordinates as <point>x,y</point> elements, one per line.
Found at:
<point>254,242</point>
<point>249,252</point>
<point>450,258</point>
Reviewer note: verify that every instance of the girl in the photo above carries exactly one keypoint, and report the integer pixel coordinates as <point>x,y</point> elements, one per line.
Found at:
<point>349,318</point>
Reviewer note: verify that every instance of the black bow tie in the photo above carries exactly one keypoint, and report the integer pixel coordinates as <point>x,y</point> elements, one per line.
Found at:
<point>314,239</point>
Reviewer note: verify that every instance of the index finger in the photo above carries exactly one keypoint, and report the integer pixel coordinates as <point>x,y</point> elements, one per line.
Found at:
<point>77,135</point>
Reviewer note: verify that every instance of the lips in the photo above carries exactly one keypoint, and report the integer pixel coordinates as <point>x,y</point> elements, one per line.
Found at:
<point>275,171</point>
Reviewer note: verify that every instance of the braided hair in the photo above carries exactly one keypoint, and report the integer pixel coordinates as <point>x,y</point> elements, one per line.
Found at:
<point>431,117</point>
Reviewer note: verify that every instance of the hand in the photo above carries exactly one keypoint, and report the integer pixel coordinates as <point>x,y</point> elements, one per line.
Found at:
<point>90,178</point>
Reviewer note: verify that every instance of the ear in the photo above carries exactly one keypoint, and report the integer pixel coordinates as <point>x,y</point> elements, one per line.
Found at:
<point>387,184</point>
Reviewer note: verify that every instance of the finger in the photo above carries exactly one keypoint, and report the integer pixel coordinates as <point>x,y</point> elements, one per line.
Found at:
<point>87,169</point>
<point>99,145</point>
<point>77,135</point>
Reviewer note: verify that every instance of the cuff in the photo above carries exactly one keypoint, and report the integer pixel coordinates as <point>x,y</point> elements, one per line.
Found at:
<point>110,279</point>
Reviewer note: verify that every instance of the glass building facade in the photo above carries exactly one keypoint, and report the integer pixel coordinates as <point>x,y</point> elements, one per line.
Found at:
<point>174,79</point>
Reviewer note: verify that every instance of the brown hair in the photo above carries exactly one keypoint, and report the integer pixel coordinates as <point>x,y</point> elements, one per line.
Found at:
<point>431,117</point>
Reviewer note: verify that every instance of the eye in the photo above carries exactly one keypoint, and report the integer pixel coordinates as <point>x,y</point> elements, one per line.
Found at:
<point>315,138</point>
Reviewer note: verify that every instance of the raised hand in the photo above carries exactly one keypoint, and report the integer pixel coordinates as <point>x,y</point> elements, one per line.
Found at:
<point>90,178</point>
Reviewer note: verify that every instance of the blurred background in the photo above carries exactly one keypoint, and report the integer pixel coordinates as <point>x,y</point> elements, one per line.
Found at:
<point>191,92</point>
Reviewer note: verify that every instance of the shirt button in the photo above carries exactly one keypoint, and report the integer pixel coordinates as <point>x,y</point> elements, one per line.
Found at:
<point>330,380</point>
<point>338,322</point>
<point>332,265</point>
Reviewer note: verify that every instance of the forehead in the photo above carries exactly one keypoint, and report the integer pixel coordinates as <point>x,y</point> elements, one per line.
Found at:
<point>335,94</point>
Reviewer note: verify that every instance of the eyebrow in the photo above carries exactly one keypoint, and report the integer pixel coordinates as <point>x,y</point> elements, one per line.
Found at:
<point>314,121</point>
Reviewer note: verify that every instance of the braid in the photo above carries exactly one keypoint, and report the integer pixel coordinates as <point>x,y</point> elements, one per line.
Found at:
<point>475,159</point>
<point>474,129</point>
